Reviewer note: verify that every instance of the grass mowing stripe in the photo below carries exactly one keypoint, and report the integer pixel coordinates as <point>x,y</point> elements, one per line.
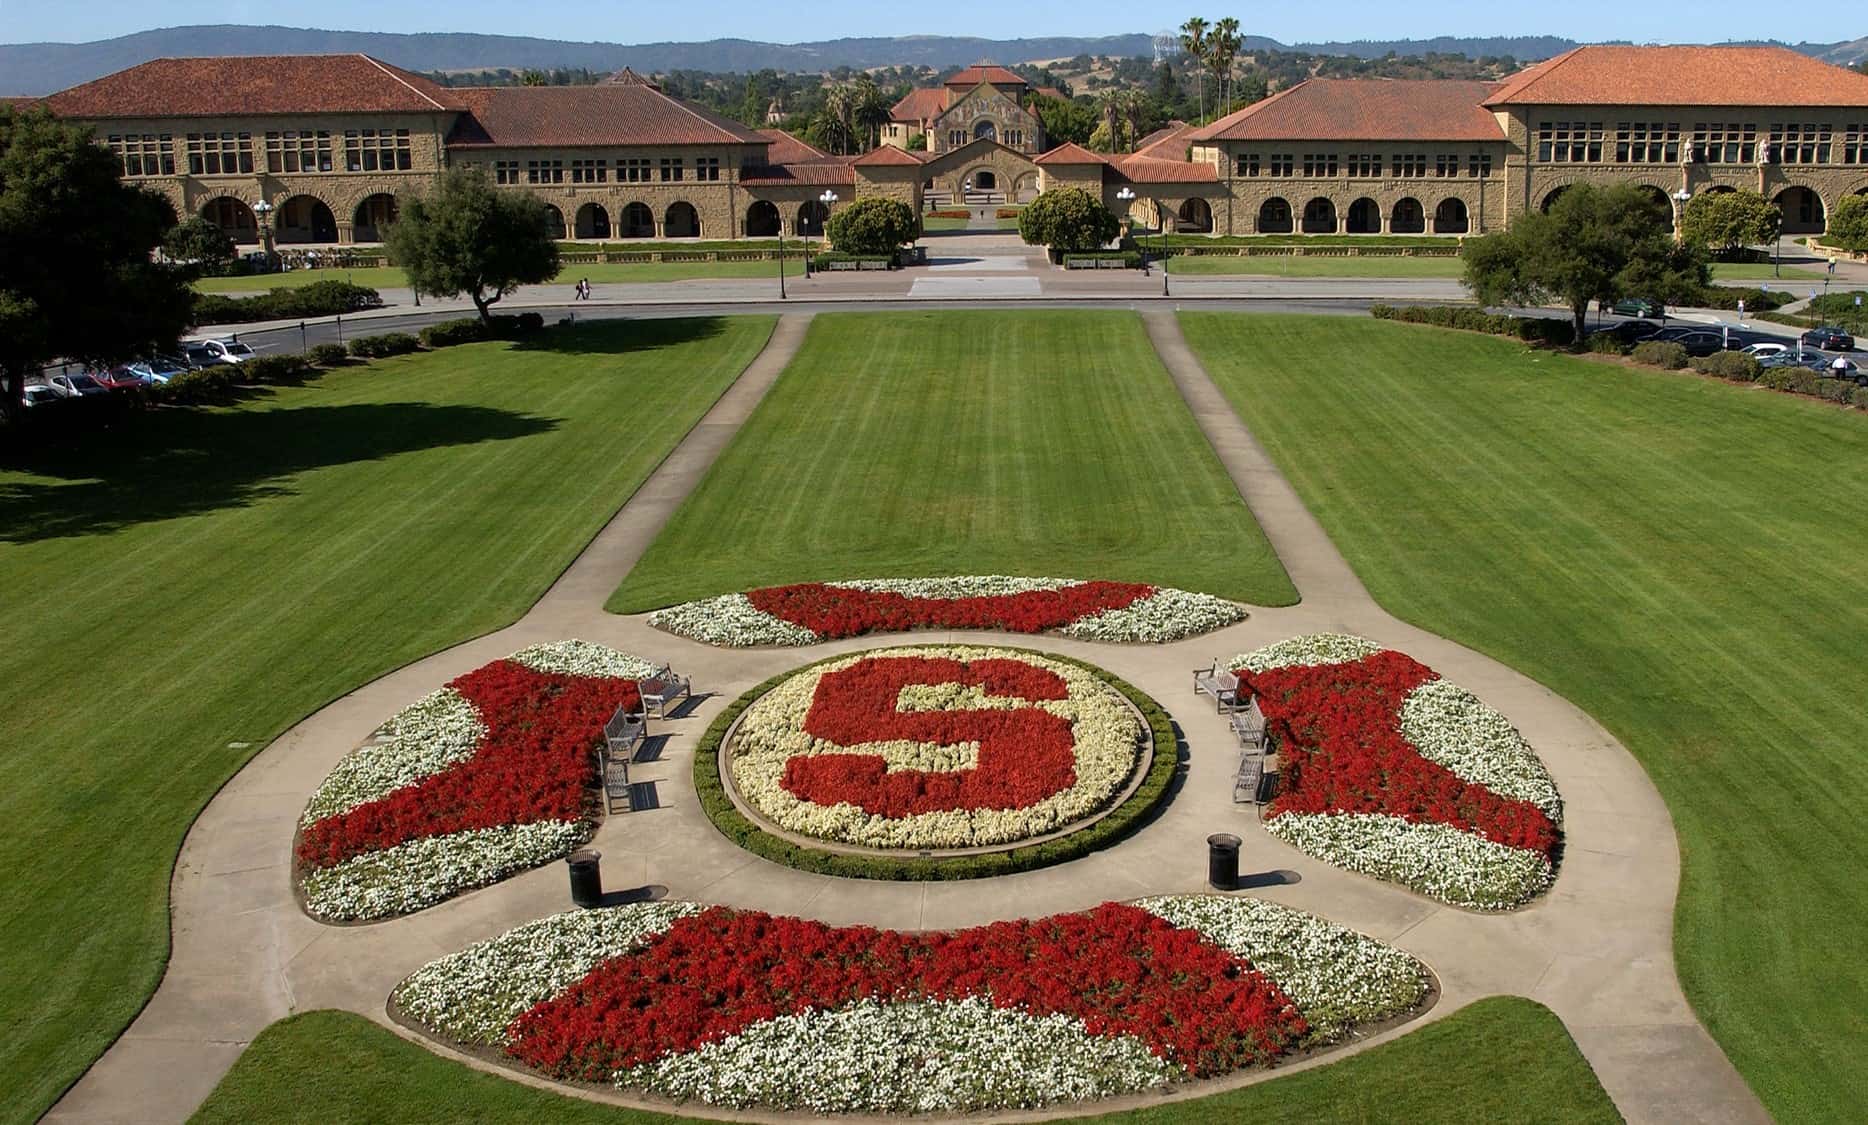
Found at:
<point>1671,553</point>
<point>284,550</point>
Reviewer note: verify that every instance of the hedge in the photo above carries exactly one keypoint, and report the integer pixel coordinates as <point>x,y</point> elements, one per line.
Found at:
<point>1120,821</point>
<point>1796,380</point>
<point>1536,329</point>
<point>1131,259</point>
<point>206,384</point>
<point>1661,353</point>
<point>320,298</point>
<point>451,332</point>
<point>387,344</point>
<point>329,355</point>
<point>822,261</point>
<point>1727,297</point>
<point>1859,398</point>
<point>1736,366</point>
<point>275,369</point>
<point>1607,343</point>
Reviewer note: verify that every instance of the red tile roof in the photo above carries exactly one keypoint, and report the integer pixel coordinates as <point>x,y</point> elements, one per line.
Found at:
<point>1364,109</point>
<point>919,105</point>
<point>1152,170</point>
<point>1711,76</point>
<point>825,173</point>
<point>254,85</point>
<point>984,72</point>
<point>574,116</point>
<point>787,149</point>
<point>1168,142</point>
<point>884,155</point>
<point>1071,153</point>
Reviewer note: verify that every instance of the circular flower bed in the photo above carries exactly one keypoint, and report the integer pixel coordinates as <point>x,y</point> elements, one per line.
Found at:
<point>936,747</point>
<point>490,775</point>
<point>1390,771</point>
<point>809,612</point>
<point>743,1009</point>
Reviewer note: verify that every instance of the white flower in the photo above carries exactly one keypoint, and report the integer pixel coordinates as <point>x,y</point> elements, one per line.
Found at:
<point>1307,652</point>
<point>1336,976</point>
<point>730,621</point>
<point>1438,860</point>
<point>1165,615</point>
<point>424,871</point>
<point>1449,725</point>
<point>422,739</point>
<point>906,1057</point>
<point>956,586</point>
<point>586,658</point>
<point>474,995</point>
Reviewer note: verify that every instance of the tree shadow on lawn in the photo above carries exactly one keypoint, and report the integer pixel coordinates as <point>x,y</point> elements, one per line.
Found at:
<point>182,463</point>
<point>620,335</point>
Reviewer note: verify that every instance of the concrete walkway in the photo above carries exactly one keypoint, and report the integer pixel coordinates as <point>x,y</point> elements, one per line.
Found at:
<point>1597,949</point>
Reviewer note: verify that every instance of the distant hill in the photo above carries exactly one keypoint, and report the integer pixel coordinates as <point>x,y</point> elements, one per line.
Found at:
<point>41,68</point>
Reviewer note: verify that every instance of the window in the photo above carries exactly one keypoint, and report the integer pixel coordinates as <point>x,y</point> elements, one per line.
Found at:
<point>1410,165</point>
<point>1800,144</point>
<point>956,138</point>
<point>1855,144</point>
<point>298,150</point>
<point>590,171</point>
<point>706,168</point>
<point>1479,165</point>
<point>220,154</point>
<point>635,170</point>
<point>505,171</point>
<point>671,168</point>
<point>376,150</point>
<point>1719,143</point>
<point>1320,164</point>
<point>1647,142</point>
<point>1569,142</point>
<point>1248,164</point>
<point>1283,164</point>
<point>544,171</point>
<point>1446,165</point>
<point>145,154</point>
<point>1363,165</point>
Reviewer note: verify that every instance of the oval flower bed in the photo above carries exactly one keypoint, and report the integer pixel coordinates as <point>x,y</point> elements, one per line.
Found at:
<point>1390,771</point>
<point>935,747</point>
<point>744,1009</point>
<point>809,612</point>
<point>490,775</point>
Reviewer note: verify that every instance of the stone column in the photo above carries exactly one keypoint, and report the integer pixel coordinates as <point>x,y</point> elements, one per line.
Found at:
<point>345,234</point>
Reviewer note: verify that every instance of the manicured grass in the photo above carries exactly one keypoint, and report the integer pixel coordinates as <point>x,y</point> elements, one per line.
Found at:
<point>937,222</point>
<point>1267,265</point>
<point>1305,240</point>
<point>1680,557</point>
<point>1499,1060</point>
<point>178,593</point>
<point>902,444</point>
<point>1760,271</point>
<point>391,277</point>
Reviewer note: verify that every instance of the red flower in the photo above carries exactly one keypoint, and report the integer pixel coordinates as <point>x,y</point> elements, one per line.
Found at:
<point>1119,969</point>
<point>534,763</point>
<point>838,611</point>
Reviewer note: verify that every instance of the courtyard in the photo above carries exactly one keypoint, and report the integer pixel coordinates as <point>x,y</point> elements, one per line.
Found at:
<point>1513,521</point>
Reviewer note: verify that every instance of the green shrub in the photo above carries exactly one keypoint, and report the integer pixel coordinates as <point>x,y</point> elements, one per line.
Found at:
<point>1836,390</point>
<point>530,322</point>
<point>1660,353</point>
<point>448,333</point>
<point>275,369</point>
<point>822,261</point>
<point>1728,296</point>
<point>329,355</point>
<point>1796,380</point>
<point>1858,398</point>
<point>1607,343</point>
<point>387,344</point>
<point>1536,329</point>
<point>1736,366</point>
<point>205,385</point>
<point>320,298</point>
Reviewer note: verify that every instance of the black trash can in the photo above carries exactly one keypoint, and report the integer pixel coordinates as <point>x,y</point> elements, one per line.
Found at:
<point>586,878</point>
<point>1222,860</point>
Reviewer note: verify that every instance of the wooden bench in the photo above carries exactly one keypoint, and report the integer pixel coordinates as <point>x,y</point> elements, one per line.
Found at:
<point>662,689</point>
<point>1248,723</point>
<point>622,735</point>
<point>1251,776</point>
<point>1222,685</point>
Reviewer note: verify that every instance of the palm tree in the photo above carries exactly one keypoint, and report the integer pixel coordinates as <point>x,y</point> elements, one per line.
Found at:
<point>1134,114</point>
<point>1193,42</point>
<point>1224,44</point>
<point>1109,102</point>
<point>833,120</point>
<point>868,112</point>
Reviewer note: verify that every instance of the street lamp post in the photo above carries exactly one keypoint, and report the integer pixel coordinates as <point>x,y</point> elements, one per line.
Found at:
<point>829,197</point>
<point>262,212</point>
<point>1681,198</point>
<point>1161,220</point>
<point>781,258</point>
<point>1127,197</point>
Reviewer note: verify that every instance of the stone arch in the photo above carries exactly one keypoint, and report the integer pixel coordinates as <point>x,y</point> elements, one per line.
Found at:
<point>372,217</point>
<point>812,215</point>
<point>1550,197</point>
<point>554,222</point>
<point>1722,189</point>
<point>638,221</point>
<point>1802,209</point>
<point>1024,188</point>
<point>1320,216</point>
<point>305,218</point>
<point>1407,217</point>
<point>762,219</point>
<point>982,179</point>
<point>1274,216</point>
<point>233,216</point>
<point>1450,217</point>
<point>593,221</point>
<point>1363,217</point>
<point>1659,200</point>
<point>681,220</point>
<point>986,130</point>
<point>1195,216</point>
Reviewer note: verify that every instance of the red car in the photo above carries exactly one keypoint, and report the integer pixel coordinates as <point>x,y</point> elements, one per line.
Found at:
<point>118,378</point>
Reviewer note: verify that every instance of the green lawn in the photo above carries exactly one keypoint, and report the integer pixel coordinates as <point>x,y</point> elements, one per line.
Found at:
<point>1287,266</point>
<point>1761,271</point>
<point>178,593</point>
<point>391,277</point>
<point>1499,1060</point>
<point>1305,240</point>
<point>928,443</point>
<point>1682,558</point>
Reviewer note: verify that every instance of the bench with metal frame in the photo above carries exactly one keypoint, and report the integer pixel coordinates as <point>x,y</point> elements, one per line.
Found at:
<point>1219,683</point>
<point>622,736</point>
<point>661,689</point>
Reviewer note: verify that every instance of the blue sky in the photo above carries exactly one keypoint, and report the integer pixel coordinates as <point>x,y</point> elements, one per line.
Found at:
<point>640,21</point>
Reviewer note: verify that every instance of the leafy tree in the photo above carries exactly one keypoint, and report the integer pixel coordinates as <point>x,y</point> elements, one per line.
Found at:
<point>1848,224</point>
<point>1067,219</point>
<point>77,277</point>
<point>467,238</point>
<point>876,225</point>
<point>918,143</point>
<point>1595,244</point>
<point>1064,122</point>
<point>201,242</point>
<point>1726,222</point>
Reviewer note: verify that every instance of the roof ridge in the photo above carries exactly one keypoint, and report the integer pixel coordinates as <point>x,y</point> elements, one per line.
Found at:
<point>410,86</point>
<point>692,111</point>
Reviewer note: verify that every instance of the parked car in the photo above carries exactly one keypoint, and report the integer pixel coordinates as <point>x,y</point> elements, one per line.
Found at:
<point>1631,330</point>
<point>38,394</point>
<point>1761,352</point>
<point>1638,306</point>
<point>1839,368</point>
<point>158,370</point>
<point>197,356</point>
<point>73,386</point>
<point>1673,333</point>
<point>118,378</point>
<point>1698,344</point>
<point>229,351</point>
<point>1815,361</point>
<point>1829,339</point>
